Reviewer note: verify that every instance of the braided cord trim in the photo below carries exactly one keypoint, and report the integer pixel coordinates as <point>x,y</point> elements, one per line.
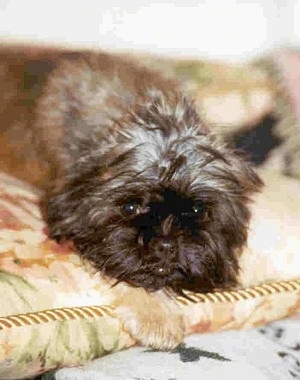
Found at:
<point>262,290</point>
<point>84,312</point>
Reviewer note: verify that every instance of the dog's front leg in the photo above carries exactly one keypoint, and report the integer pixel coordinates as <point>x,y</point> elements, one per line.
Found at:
<point>153,319</point>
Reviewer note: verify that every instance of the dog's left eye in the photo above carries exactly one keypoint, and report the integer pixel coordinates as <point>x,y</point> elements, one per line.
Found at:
<point>131,208</point>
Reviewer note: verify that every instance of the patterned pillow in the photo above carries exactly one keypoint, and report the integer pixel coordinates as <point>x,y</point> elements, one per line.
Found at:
<point>55,310</point>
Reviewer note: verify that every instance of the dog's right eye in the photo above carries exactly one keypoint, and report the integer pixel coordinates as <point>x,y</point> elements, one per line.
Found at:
<point>131,208</point>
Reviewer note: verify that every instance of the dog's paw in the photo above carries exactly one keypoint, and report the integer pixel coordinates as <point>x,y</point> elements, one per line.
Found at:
<point>156,328</point>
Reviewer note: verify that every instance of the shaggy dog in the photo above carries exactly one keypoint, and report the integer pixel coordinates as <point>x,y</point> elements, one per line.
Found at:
<point>131,176</point>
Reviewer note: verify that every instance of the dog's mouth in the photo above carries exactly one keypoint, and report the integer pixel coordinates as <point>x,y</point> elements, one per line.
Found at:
<point>162,271</point>
<point>156,276</point>
<point>152,283</point>
<point>152,276</point>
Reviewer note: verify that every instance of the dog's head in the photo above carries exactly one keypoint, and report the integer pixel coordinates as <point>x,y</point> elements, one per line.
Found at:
<point>167,206</point>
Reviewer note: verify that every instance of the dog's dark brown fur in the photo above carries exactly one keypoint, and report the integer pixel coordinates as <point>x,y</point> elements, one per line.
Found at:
<point>131,176</point>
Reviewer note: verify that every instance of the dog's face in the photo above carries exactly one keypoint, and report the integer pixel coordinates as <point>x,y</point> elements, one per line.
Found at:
<point>167,207</point>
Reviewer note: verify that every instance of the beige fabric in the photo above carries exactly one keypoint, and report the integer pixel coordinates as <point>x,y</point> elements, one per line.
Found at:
<point>274,237</point>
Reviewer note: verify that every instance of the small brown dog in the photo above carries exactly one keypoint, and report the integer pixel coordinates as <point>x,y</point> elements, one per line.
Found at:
<point>131,176</point>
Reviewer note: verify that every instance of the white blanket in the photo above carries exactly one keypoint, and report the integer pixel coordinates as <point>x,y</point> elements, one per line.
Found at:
<point>271,352</point>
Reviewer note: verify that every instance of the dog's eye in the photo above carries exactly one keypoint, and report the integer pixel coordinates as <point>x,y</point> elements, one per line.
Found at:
<point>131,208</point>
<point>196,209</point>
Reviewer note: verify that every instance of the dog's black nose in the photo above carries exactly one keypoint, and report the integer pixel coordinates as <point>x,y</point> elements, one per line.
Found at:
<point>164,247</point>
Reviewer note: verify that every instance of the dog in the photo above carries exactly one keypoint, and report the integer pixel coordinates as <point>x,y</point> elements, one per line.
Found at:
<point>131,175</point>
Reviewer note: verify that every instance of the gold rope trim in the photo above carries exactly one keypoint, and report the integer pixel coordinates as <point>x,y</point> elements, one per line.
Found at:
<point>241,294</point>
<point>54,315</point>
<point>84,312</point>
